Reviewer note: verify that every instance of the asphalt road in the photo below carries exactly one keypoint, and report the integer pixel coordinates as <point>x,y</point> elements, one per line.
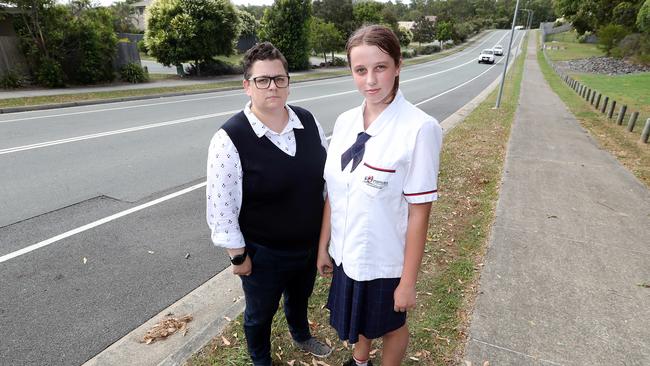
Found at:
<point>102,221</point>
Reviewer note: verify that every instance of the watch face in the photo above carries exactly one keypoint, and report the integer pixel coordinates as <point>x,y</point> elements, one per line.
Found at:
<point>238,259</point>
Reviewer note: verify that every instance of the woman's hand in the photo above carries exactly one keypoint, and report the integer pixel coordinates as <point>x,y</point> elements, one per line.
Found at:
<point>404,298</point>
<point>324,264</point>
<point>243,269</point>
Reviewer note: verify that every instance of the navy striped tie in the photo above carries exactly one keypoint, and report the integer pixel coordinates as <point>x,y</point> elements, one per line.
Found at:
<point>355,152</point>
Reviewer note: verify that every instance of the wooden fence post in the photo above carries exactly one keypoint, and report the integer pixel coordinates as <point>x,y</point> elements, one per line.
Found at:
<point>632,121</point>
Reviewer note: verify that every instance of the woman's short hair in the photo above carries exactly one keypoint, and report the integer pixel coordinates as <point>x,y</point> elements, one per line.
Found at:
<point>262,51</point>
<point>382,37</point>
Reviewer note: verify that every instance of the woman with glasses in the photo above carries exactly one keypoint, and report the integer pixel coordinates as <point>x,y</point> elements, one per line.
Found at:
<point>381,174</point>
<point>265,202</point>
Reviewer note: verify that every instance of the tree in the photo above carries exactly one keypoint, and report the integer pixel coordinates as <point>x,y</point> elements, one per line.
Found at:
<point>73,42</point>
<point>286,25</point>
<point>368,12</point>
<point>444,32</point>
<point>123,17</point>
<point>324,37</point>
<point>423,31</point>
<point>625,14</point>
<point>643,18</point>
<point>338,12</point>
<point>191,30</point>
<point>249,25</point>
<point>609,36</point>
<point>405,36</point>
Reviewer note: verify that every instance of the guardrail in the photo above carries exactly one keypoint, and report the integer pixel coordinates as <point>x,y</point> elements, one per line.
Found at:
<point>594,98</point>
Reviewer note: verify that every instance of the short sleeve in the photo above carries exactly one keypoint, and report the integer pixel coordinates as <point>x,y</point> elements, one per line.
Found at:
<point>421,183</point>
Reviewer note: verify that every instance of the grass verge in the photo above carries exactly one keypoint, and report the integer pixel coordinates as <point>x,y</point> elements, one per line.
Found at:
<point>564,46</point>
<point>632,90</point>
<point>625,146</point>
<point>471,167</point>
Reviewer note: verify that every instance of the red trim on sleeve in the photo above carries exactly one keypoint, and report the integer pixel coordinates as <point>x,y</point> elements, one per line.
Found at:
<point>379,169</point>
<point>420,193</point>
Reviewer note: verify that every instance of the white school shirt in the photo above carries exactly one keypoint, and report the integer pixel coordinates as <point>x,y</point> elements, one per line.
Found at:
<point>224,176</point>
<point>370,205</point>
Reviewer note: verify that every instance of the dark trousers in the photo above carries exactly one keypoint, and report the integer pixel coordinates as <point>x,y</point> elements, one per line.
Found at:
<point>275,273</point>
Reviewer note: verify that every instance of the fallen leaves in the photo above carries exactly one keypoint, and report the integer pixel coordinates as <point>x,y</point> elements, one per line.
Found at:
<point>167,327</point>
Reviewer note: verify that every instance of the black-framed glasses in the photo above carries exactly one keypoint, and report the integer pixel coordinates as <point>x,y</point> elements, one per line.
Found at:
<point>264,82</point>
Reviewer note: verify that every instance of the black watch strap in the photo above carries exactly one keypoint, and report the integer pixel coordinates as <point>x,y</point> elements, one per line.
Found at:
<point>239,258</point>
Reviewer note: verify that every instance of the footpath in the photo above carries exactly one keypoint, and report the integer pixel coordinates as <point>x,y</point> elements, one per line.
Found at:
<point>566,274</point>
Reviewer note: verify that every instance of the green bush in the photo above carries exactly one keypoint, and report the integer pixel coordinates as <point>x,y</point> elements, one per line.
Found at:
<point>609,36</point>
<point>133,73</point>
<point>142,47</point>
<point>50,73</point>
<point>407,54</point>
<point>583,37</point>
<point>214,68</point>
<point>11,80</point>
<point>428,49</point>
<point>338,61</point>
<point>643,17</point>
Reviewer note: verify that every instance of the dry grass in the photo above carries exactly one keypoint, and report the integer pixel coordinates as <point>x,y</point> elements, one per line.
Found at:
<point>471,168</point>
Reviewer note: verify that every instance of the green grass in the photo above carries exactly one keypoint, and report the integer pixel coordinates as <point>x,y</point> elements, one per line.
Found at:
<point>572,51</point>
<point>569,37</point>
<point>625,146</point>
<point>632,90</point>
<point>471,167</point>
<point>564,46</point>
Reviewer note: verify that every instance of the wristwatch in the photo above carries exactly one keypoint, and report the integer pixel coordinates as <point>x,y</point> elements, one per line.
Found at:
<point>239,258</point>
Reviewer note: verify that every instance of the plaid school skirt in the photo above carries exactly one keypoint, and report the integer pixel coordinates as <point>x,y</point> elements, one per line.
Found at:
<point>363,307</point>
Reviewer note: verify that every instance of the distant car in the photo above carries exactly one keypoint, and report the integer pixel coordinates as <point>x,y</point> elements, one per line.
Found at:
<point>498,50</point>
<point>486,56</point>
<point>519,27</point>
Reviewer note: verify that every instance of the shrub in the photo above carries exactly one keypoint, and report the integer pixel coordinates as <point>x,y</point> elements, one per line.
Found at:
<point>214,68</point>
<point>406,54</point>
<point>50,73</point>
<point>338,61</point>
<point>11,80</point>
<point>142,47</point>
<point>133,73</point>
<point>584,37</point>
<point>428,49</point>
<point>610,35</point>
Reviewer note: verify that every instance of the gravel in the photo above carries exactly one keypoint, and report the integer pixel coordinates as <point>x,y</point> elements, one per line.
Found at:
<point>601,65</point>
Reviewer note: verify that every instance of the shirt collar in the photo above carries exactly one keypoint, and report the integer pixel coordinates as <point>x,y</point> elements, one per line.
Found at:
<point>384,117</point>
<point>260,128</point>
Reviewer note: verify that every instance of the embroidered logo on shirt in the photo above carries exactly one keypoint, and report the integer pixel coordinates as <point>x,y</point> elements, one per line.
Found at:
<point>370,181</point>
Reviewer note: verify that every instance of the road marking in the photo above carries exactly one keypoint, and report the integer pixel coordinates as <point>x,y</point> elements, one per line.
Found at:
<point>474,78</point>
<point>118,215</point>
<point>191,119</point>
<point>94,224</point>
<point>415,67</point>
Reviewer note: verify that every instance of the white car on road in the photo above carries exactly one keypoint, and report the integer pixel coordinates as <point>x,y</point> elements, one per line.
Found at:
<point>486,56</point>
<point>498,50</point>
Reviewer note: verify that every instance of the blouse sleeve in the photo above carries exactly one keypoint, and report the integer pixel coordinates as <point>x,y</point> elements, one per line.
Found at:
<point>421,183</point>
<point>224,192</point>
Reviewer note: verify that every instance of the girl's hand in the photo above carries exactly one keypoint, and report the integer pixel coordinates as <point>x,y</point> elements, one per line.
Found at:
<point>324,264</point>
<point>404,298</point>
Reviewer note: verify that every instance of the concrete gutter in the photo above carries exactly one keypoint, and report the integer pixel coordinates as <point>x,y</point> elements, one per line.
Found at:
<point>209,304</point>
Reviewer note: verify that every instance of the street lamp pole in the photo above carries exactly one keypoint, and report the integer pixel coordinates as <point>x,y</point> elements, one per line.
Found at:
<point>505,67</point>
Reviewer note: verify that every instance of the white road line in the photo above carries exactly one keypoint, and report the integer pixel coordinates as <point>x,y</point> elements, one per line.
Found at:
<point>468,81</point>
<point>94,224</point>
<point>118,215</point>
<point>415,67</point>
<point>191,119</point>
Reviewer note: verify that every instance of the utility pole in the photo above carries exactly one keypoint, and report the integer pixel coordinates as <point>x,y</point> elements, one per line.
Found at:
<point>505,67</point>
